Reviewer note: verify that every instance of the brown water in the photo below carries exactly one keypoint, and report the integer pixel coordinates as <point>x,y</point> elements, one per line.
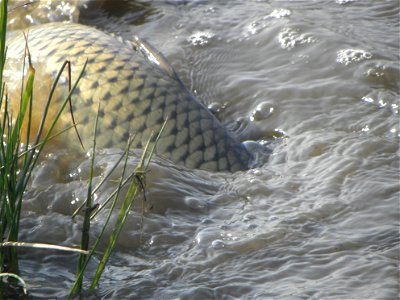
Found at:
<point>319,220</point>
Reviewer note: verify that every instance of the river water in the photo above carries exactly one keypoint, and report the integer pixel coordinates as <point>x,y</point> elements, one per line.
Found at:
<point>316,80</point>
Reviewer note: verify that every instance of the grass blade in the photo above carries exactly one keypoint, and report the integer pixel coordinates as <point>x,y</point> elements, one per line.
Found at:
<point>15,276</point>
<point>80,274</point>
<point>86,221</point>
<point>43,246</point>
<point>134,187</point>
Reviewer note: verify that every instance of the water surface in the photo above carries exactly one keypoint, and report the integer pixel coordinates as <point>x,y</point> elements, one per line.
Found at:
<point>319,80</point>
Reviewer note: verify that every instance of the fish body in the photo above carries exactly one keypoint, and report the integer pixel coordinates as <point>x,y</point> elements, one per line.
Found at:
<point>137,91</point>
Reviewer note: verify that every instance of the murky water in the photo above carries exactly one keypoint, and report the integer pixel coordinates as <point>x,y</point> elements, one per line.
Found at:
<point>320,219</point>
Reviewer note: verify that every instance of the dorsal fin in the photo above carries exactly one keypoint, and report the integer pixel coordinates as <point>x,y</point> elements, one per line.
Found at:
<point>154,57</point>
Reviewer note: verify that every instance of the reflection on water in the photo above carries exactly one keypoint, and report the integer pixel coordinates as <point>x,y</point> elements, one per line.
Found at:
<point>319,220</point>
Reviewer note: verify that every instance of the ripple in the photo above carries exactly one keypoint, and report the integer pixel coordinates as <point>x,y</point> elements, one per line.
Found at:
<point>318,220</point>
<point>261,23</point>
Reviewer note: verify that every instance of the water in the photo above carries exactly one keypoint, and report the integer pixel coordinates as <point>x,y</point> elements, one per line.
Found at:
<point>320,219</point>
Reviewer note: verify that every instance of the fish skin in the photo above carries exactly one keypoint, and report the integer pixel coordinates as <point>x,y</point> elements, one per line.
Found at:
<point>137,90</point>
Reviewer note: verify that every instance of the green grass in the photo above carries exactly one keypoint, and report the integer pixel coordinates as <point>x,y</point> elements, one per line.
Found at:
<point>18,158</point>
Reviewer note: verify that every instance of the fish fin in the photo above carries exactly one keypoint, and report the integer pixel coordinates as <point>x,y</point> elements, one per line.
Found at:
<point>154,57</point>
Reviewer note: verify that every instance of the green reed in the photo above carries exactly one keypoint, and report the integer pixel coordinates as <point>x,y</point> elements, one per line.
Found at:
<point>18,157</point>
<point>136,183</point>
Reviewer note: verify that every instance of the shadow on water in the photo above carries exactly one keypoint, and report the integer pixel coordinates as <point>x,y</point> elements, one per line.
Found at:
<point>128,12</point>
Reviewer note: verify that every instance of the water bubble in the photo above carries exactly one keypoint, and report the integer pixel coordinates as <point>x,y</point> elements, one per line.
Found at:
<point>256,172</point>
<point>280,133</point>
<point>29,19</point>
<point>252,226</point>
<point>382,103</point>
<point>65,9</point>
<point>215,107</point>
<point>348,56</point>
<point>210,9</point>
<point>279,13</point>
<point>200,38</point>
<point>75,201</point>
<point>382,100</point>
<point>343,1</point>
<point>262,112</point>
<point>376,72</point>
<point>218,244</point>
<point>254,27</point>
<point>194,203</point>
<point>395,108</point>
<point>367,99</point>
<point>273,218</point>
<point>249,217</point>
<point>289,38</point>
<point>257,25</point>
<point>365,128</point>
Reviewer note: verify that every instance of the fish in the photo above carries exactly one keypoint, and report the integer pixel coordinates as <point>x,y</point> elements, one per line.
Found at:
<point>133,90</point>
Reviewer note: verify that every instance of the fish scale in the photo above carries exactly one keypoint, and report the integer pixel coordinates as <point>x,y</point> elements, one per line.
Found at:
<point>137,93</point>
